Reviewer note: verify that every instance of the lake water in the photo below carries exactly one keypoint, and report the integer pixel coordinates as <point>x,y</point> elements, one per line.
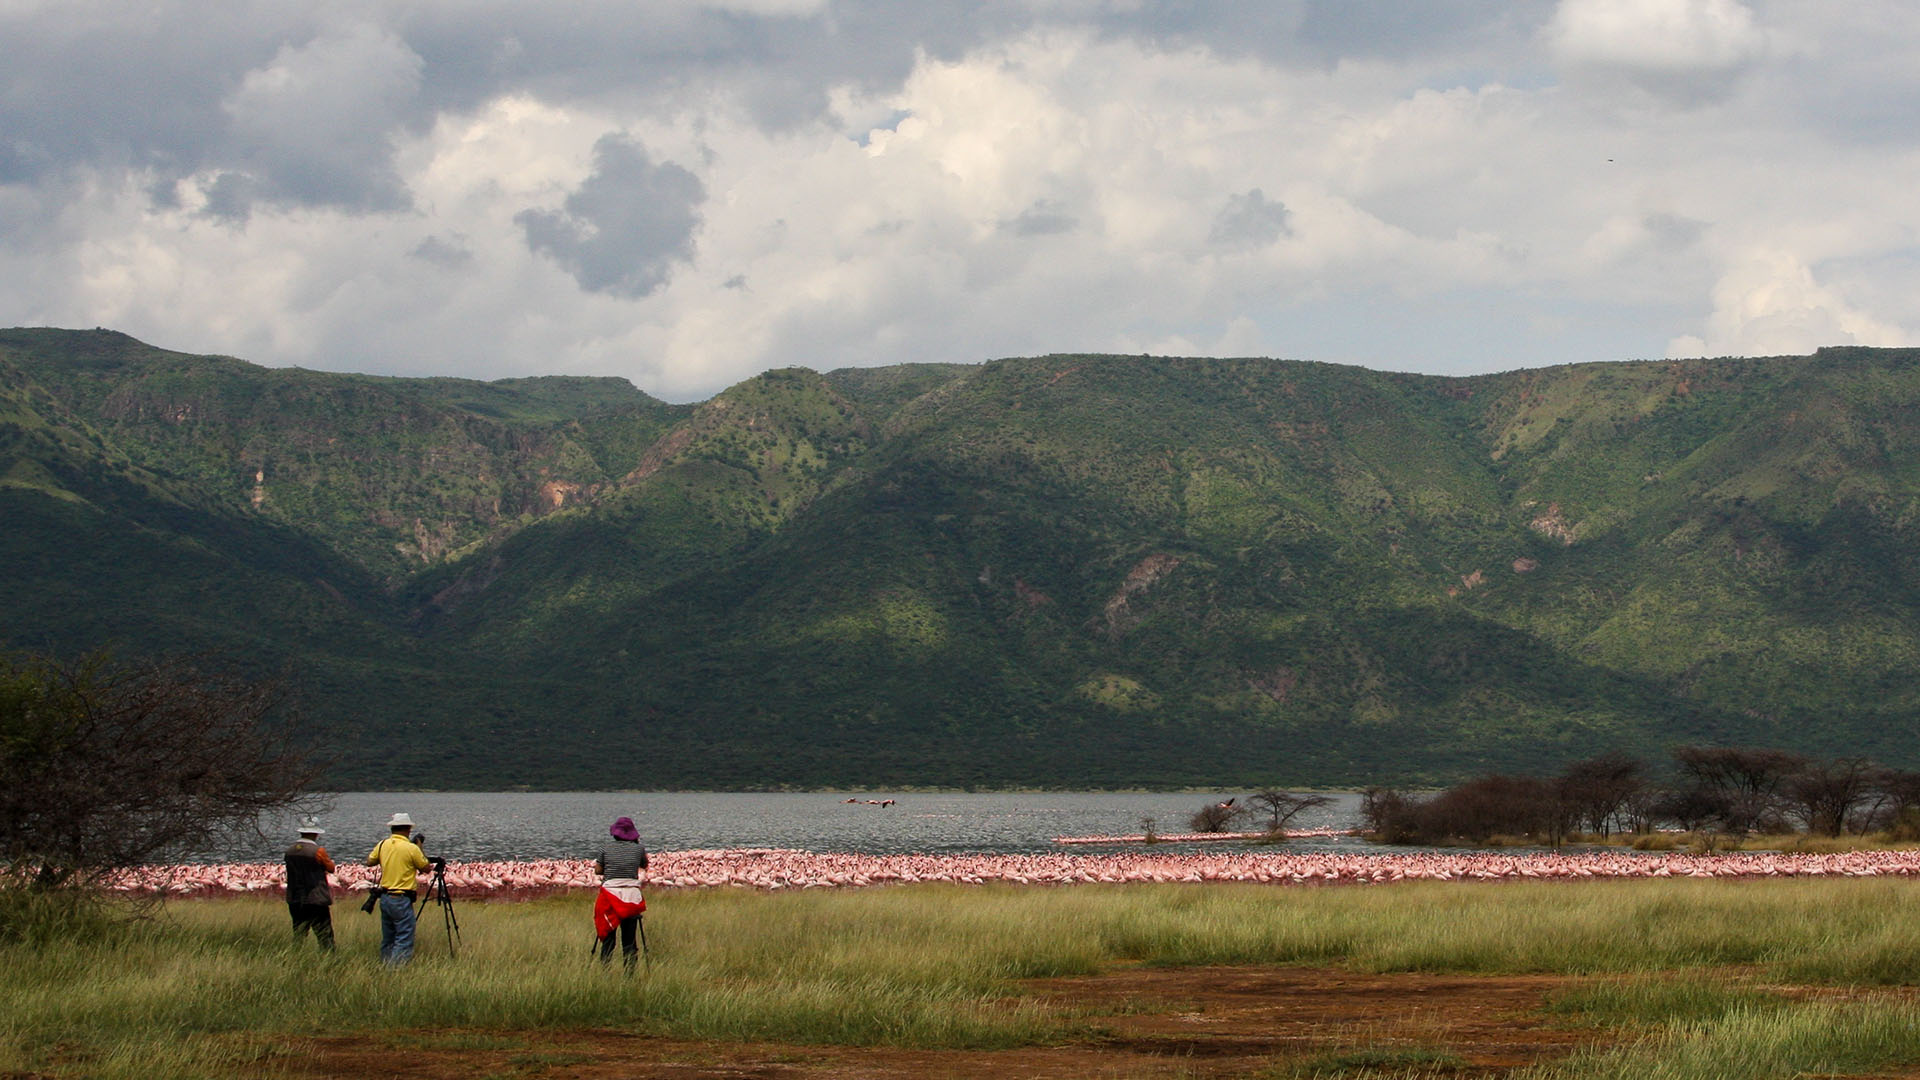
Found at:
<point>544,825</point>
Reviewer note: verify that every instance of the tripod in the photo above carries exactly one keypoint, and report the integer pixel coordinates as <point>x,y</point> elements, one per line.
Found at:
<point>437,893</point>
<point>606,943</point>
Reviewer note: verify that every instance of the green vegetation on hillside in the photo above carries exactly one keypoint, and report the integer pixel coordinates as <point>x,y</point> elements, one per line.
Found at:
<point>1052,571</point>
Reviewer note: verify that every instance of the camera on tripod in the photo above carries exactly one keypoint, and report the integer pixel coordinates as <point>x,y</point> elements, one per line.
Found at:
<point>436,893</point>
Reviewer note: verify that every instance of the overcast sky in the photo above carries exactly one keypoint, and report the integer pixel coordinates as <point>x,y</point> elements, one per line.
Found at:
<point>687,192</point>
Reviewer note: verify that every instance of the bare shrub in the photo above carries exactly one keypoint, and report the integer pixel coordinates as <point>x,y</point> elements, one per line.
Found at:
<point>1490,806</point>
<point>1216,817</point>
<point>105,767</point>
<point>1389,815</point>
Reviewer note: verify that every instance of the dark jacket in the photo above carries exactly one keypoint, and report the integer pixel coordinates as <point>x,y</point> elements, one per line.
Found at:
<point>307,866</point>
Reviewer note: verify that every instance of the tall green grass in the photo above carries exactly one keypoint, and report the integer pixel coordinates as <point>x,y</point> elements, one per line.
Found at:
<point>219,987</point>
<point>1652,1001</point>
<point>1761,1043</point>
<point>35,917</point>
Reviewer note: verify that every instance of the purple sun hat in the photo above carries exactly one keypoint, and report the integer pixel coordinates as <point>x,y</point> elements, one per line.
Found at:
<point>624,830</point>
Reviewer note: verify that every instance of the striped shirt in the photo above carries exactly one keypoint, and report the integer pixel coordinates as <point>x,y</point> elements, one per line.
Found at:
<point>622,859</point>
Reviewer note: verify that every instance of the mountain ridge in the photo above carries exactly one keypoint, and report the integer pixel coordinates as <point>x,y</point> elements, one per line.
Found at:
<point>1063,571</point>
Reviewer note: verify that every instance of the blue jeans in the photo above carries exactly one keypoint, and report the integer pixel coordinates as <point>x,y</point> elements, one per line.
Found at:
<point>396,928</point>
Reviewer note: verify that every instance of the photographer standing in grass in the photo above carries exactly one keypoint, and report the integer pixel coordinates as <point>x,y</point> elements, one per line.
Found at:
<point>619,904</point>
<point>309,900</point>
<point>398,858</point>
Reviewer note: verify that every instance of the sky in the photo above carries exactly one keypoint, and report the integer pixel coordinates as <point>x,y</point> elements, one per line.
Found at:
<point>685,193</point>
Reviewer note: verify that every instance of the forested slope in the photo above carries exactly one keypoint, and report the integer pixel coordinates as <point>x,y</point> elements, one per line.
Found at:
<point>1053,571</point>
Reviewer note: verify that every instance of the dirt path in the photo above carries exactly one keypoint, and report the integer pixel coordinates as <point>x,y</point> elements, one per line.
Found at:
<point>1187,1022</point>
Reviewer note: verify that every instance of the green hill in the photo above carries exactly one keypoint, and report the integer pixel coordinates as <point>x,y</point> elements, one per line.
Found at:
<point>1053,571</point>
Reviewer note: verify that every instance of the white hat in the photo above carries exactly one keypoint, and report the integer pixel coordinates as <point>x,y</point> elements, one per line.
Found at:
<point>399,820</point>
<point>311,827</point>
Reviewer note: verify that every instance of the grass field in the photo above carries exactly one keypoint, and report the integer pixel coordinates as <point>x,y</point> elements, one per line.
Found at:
<point>1707,979</point>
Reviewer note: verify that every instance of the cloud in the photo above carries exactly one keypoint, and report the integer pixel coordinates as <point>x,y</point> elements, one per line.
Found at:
<point>1682,49</point>
<point>184,89</point>
<point>314,126</point>
<point>445,252</point>
<point>621,232</point>
<point>1343,29</point>
<point>1320,34</point>
<point>1770,304</point>
<point>1045,217</point>
<point>1663,35</point>
<point>225,196</point>
<point>689,191</point>
<point>1249,221</point>
<point>1634,238</point>
<point>1672,232</point>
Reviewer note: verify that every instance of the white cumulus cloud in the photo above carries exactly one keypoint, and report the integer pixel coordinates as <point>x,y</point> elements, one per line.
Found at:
<point>1770,304</point>
<point>1658,35</point>
<point>688,192</point>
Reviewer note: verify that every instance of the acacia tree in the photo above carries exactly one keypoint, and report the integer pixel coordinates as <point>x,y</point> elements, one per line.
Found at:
<point>1282,806</point>
<point>1597,791</point>
<point>1743,783</point>
<point>1825,794</point>
<point>1895,799</point>
<point>104,767</point>
<point>1691,808</point>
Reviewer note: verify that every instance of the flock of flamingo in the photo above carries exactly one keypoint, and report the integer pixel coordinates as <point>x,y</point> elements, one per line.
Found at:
<point>779,868</point>
<point>1194,838</point>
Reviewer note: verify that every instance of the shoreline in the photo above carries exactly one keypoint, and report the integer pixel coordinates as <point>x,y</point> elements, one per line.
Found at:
<point>775,869</point>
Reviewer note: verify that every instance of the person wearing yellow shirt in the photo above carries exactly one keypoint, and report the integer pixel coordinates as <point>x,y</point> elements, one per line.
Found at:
<point>399,859</point>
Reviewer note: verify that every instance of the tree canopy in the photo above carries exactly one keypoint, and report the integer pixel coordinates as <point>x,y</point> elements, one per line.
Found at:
<point>106,766</point>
